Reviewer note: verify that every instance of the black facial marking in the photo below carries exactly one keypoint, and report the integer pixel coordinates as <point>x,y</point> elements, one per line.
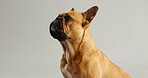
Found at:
<point>56,29</point>
<point>67,18</point>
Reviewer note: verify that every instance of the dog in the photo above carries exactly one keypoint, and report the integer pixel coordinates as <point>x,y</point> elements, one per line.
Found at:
<point>81,57</point>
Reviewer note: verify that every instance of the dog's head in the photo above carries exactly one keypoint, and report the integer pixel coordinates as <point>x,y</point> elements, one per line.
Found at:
<point>70,25</point>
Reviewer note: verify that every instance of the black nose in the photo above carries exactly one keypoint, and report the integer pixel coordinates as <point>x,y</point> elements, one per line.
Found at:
<point>56,30</point>
<point>52,27</point>
<point>59,18</point>
<point>56,25</point>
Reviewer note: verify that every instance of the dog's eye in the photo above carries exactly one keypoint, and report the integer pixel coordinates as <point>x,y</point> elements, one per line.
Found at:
<point>67,18</point>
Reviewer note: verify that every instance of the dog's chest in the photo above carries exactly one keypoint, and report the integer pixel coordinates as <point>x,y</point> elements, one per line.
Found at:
<point>66,72</point>
<point>65,68</point>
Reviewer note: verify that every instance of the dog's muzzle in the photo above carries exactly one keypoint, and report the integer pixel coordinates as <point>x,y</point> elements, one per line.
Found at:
<point>56,29</point>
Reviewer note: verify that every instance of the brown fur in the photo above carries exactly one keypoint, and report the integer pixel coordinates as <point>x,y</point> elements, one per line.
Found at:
<point>81,57</point>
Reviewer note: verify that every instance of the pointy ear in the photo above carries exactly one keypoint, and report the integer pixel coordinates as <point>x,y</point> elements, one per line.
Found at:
<point>72,9</point>
<point>89,15</point>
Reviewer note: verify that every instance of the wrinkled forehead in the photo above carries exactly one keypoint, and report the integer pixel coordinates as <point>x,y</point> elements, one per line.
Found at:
<point>74,15</point>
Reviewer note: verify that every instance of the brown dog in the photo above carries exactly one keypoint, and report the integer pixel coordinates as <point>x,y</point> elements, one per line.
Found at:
<point>81,58</point>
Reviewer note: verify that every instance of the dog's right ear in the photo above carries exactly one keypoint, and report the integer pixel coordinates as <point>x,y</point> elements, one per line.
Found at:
<point>72,9</point>
<point>89,15</point>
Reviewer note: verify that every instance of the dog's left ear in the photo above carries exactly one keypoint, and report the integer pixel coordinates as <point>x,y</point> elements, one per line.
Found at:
<point>89,15</point>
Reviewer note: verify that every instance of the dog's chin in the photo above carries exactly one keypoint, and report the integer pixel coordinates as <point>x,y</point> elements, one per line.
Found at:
<point>56,31</point>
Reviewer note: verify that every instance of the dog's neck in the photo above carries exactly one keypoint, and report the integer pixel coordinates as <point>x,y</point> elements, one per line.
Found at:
<point>79,47</point>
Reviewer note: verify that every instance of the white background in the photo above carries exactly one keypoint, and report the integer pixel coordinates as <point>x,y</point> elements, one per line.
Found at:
<point>120,30</point>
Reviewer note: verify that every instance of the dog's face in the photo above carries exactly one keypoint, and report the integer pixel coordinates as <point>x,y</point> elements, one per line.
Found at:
<point>71,25</point>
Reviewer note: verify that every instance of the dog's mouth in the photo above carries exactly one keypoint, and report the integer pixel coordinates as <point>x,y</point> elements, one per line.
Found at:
<point>56,29</point>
